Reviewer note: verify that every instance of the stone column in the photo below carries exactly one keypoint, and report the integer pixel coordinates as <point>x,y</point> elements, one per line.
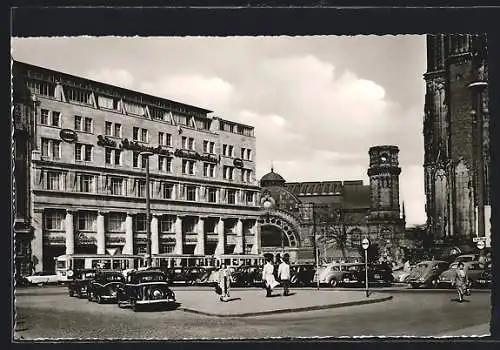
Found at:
<point>221,238</point>
<point>37,242</point>
<point>256,247</point>
<point>155,238</point>
<point>101,239</point>
<point>239,248</point>
<point>70,233</point>
<point>178,236</point>
<point>200,243</point>
<point>128,248</point>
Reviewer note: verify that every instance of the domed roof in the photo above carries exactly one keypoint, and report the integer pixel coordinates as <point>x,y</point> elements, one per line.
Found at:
<point>271,179</point>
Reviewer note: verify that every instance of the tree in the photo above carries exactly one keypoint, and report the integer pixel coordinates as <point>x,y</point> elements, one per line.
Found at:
<point>333,223</point>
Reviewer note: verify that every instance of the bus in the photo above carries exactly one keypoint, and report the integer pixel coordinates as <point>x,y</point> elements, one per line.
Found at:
<point>181,260</point>
<point>70,262</point>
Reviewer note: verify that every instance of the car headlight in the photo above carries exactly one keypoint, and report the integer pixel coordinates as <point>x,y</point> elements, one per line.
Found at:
<point>422,279</point>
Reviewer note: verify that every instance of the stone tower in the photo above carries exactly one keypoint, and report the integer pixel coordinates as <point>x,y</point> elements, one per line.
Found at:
<point>456,136</point>
<point>384,221</point>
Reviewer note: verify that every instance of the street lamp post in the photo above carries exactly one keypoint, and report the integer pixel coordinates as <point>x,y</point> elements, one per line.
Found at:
<point>315,243</point>
<point>148,211</point>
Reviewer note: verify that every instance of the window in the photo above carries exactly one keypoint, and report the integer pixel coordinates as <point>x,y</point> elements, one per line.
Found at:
<point>228,172</point>
<point>113,156</point>
<point>141,135</point>
<point>138,160</point>
<point>76,95</point>
<point>51,149</point>
<point>249,197</point>
<point>84,124</point>
<point>188,143</point>
<point>116,186</point>
<point>249,154</point>
<point>105,102</point>
<point>243,153</point>
<point>231,196</point>
<point>53,181</point>
<point>140,223</point>
<point>208,170</point>
<point>165,164</point>
<point>191,193</point>
<point>54,220</point>
<point>188,167</point>
<point>118,130</point>
<point>134,108</point>
<point>56,119</point>
<point>86,220</point>
<point>164,139</point>
<point>212,195</point>
<point>246,175</point>
<point>44,117</point>
<point>115,222</point>
<point>224,149</point>
<point>86,183</point>
<point>166,223</point>
<point>141,188</point>
<point>208,147</point>
<point>246,153</point>
<point>83,152</point>
<point>167,191</point>
<point>108,128</point>
<point>41,88</point>
<point>228,150</point>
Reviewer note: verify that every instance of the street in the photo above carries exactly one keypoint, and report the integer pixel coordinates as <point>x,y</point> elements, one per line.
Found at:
<point>50,313</point>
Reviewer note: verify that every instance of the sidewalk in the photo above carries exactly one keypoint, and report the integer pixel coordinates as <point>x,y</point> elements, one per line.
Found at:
<point>245,303</point>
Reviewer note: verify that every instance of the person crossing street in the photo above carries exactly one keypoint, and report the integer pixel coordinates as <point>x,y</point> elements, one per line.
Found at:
<point>284,275</point>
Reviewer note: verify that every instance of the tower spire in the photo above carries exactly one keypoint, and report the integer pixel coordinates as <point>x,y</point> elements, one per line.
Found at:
<point>272,167</point>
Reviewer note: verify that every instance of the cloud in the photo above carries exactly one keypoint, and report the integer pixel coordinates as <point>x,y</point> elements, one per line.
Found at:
<point>119,77</point>
<point>207,92</point>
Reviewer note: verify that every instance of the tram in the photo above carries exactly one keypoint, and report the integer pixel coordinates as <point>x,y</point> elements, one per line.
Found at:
<point>67,262</point>
<point>236,260</point>
<point>181,260</point>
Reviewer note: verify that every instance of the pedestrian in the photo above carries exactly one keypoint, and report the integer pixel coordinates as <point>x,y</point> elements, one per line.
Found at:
<point>268,277</point>
<point>224,282</point>
<point>461,281</point>
<point>284,275</point>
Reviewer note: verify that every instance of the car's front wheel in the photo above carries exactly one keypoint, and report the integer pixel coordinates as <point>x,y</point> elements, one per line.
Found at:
<point>334,283</point>
<point>99,299</point>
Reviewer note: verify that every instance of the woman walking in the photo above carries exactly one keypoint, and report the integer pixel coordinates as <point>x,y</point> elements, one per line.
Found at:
<point>224,281</point>
<point>268,277</point>
<point>461,281</point>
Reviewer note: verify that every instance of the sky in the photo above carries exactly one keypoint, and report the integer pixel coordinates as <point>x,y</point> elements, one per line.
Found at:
<point>318,103</point>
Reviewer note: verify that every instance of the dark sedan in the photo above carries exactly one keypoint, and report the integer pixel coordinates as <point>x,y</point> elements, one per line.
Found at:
<point>426,273</point>
<point>105,286</point>
<point>302,275</point>
<point>246,276</point>
<point>145,288</point>
<point>80,281</point>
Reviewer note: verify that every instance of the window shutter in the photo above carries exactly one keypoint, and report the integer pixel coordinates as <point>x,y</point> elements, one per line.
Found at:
<point>73,178</point>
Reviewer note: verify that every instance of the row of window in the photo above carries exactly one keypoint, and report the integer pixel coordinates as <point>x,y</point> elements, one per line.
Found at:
<point>87,98</point>
<point>51,149</point>
<point>86,124</point>
<point>115,222</point>
<point>87,183</point>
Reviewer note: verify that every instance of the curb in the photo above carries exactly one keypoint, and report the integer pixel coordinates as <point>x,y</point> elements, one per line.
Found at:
<point>283,311</point>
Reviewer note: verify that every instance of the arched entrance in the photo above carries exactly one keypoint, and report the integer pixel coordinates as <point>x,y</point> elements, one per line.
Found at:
<point>278,232</point>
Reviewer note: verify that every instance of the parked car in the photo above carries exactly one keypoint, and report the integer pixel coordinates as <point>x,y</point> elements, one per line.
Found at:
<point>400,275</point>
<point>302,275</point>
<point>105,285</point>
<point>378,275</point>
<point>485,280</point>
<point>473,269</point>
<point>43,277</point>
<point>245,276</point>
<point>204,276</point>
<point>145,288</point>
<point>326,274</point>
<point>467,257</point>
<point>80,281</point>
<point>426,273</point>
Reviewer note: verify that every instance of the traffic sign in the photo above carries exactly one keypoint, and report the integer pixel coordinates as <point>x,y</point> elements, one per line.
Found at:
<point>478,239</point>
<point>111,251</point>
<point>481,244</point>
<point>365,243</point>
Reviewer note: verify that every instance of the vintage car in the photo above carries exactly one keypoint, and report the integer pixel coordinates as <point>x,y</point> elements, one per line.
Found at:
<point>302,275</point>
<point>186,275</point>
<point>145,288</point>
<point>378,275</point>
<point>426,273</point>
<point>42,278</point>
<point>466,257</point>
<point>246,276</point>
<point>472,268</point>
<point>105,285</point>
<point>400,275</point>
<point>79,281</point>
<point>337,275</point>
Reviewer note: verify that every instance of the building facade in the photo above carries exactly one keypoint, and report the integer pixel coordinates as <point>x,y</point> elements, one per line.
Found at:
<point>457,138</point>
<point>84,172</point>
<point>334,216</point>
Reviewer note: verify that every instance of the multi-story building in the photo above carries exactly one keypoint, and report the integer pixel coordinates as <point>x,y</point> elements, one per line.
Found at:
<point>457,138</point>
<point>335,215</point>
<point>84,172</point>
